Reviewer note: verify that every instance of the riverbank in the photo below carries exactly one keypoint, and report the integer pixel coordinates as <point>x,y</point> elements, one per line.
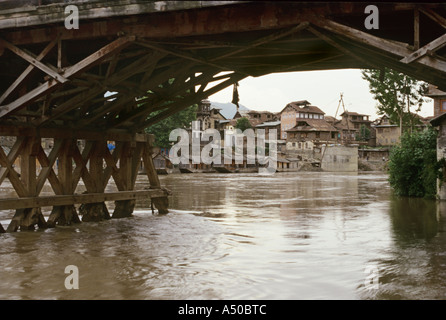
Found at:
<point>372,165</point>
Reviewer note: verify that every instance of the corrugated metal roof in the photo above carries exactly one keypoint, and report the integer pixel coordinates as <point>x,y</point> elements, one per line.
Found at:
<point>268,124</point>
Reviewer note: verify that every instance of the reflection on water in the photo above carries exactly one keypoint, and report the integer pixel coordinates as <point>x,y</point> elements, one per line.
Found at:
<point>414,267</point>
<point>242,236</point>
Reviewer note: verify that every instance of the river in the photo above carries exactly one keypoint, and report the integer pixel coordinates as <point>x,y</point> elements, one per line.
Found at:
<point>305,235</point>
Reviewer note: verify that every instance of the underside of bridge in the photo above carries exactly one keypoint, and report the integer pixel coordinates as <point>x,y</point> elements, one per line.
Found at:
<point>133,63</point>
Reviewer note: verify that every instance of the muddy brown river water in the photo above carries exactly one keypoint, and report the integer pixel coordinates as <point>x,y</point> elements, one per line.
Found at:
<point>305,235</point>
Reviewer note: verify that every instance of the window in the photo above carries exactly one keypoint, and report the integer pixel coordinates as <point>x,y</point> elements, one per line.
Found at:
<point>318,134</point>
<point>442,105</point>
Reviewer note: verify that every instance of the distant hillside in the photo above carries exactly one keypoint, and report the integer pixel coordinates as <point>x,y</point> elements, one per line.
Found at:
<point>228,110</point>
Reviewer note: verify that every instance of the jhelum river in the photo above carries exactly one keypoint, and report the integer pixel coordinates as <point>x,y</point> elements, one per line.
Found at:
<point>302,235</point>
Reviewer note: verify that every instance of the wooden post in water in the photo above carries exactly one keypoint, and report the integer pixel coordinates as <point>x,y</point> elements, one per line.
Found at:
<point>160,203</point>
<point>96,211</point>
<point>95,164</point>
<point>65,215</point>
<point>125,178</point>
<point>26,185</point>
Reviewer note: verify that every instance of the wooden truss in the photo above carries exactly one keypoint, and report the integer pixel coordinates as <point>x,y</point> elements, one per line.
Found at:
<point>114,77</point>
<point>67,163</point>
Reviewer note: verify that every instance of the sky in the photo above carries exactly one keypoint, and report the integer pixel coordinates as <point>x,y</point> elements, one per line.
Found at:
<point>321,88</point>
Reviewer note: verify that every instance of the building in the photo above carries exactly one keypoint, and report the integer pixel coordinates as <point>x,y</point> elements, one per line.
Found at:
<point>267,126</point>
<point>257,117</point>
<point>310,133</point>
<point>295,111</point>
<point>387,133</point>
<point>439,98</point>
<point>209,116</point>
<point>350,125</point>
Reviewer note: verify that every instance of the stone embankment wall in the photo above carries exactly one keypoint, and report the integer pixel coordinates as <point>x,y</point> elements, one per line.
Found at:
<point>340,159</point>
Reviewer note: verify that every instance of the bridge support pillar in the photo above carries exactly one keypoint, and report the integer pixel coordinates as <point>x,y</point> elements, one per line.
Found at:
<point>161,203</point>
<point>64,215</point>
<point>61,168</point>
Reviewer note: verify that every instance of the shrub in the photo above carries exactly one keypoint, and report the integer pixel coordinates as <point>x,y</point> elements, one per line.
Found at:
<point>413,166</point>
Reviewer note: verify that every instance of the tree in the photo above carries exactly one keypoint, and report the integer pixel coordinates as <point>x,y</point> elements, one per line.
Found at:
<point>243,124</point>
<point>396,93</point>
<point>181,119</point>
<point>364,134</point>
<point>162,129</point>
<point>413,165</point>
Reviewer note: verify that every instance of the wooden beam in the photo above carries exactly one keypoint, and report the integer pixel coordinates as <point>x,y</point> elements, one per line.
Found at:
<point>174,71</point>
<point>59,53</point>
<point>434,16</point>
<point>96,167</point>
<point>392,47</point>
<point>381,59</point>
<point>28,165</point>
<point>261,41</point>
<point>81,170</point>
<point>184,55</point>
<point>338,46</point>
<point>155,104</point>
<point>13,175</point>
<point>69,105</point>
<point>432,46</point>
<point>135,67</point>
<point>111,168</point>
<point>26,72</point>
<point>47,171</point>
<point>65,166</point>
<point>12,156</point>
<point>33,60</point>
<point>416,29</point>
<point>161,203</point>
<point>62,200</point>
<point>63,133</point>
<point>69,72</point>
<point>188,101</point>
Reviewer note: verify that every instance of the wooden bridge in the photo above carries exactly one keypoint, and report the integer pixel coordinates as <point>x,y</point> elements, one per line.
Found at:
<point>133,63</point>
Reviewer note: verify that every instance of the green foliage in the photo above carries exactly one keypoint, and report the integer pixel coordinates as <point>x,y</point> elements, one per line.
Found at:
<point>181,119</point>
<point>243,124</point>
<point>162,129</point>
<point>395,93</point>
<point>364,134</point>
<point>413,166</point>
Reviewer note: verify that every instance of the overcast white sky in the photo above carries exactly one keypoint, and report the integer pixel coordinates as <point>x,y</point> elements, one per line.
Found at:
<point>321,88</point>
